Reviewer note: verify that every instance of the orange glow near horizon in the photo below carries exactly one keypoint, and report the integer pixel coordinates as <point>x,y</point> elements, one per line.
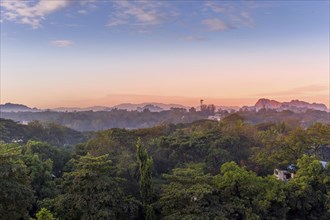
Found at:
<point>115,99</point>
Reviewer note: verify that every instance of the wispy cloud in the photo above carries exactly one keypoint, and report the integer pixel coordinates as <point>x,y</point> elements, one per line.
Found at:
<point>214,6</point>
<point>303,90</point>
<point>31,14</point>
<point>235,14</point>
<point>140,13</point>
<point>82,12</point>
<point>216,24</point>
<point>61,43</point>
<point>193,38</point>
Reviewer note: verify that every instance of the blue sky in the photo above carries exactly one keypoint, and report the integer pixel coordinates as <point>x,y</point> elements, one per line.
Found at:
<point>80,53</point>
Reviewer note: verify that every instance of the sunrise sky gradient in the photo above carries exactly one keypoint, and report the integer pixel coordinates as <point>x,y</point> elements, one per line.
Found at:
<point>89,52</point>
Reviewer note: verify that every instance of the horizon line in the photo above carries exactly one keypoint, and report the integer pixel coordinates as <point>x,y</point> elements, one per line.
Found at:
<point>213,100</point>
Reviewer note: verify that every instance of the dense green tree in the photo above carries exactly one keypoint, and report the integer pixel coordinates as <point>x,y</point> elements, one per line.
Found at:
<point>216,156</point>
<point>59,156</point>
<point>92,191</point>
<point>40,174</point>
<point>238,138</point>
<point>189,193</point>
<point>41,179</point>
<point>280,147</point>
<point>44,214</point>
<point>269,155</point>
<point>16,195</point>
<point>244,195</point>
<point>319,136</point>
<point>145,164</point>
<point>308,191</point>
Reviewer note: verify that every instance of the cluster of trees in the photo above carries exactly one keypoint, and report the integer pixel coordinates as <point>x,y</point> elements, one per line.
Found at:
<point>49,132</point>
<point>304,119</point>
<point>208,109</point>
<point>202,170</point>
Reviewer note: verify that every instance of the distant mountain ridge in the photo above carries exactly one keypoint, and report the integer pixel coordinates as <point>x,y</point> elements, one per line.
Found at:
<point>78,109</point>
<point>263,103</point>
<point>10,107</point>
<point>293,105</point>
<point>152,106</point>
<point>139,117</point>
<point>302,104</point>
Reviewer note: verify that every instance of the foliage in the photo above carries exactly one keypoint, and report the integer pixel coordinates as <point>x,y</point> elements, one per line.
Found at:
<point>55,134</point>
<point>58,156</point>
<point>45,214</point>
<point>189,193</point>
<point>278,148</point>
<point>202,170</point>
<point>16,195</point>
<point>91,191</point>
<point>309,191</point>
<point>244,195</point>
<point>145,179</point>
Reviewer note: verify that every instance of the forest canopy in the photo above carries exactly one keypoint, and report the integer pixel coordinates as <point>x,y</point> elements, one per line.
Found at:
<point>202,170</point>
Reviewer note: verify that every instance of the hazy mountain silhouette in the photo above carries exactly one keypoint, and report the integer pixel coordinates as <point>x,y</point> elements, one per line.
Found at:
<point>263,103</point>
<point>10,107</point>
<point>293,105</point>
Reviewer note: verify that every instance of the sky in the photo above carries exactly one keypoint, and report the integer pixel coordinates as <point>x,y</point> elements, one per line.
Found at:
<point>79,53</point>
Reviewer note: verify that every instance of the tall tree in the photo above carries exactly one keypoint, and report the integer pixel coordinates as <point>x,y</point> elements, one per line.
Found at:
<point>41,179</point>
<point>145,174</point>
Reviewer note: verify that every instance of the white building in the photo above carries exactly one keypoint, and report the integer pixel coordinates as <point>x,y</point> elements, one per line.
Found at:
<point>214,117</point>
<point>283,175</point>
